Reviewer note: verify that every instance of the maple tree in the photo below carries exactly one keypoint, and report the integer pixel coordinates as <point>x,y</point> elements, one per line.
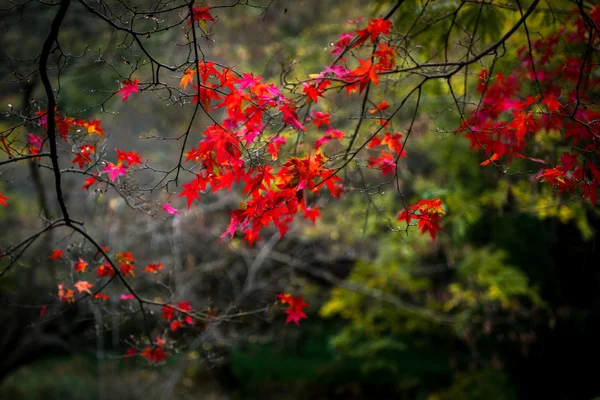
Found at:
<point>285,149</point>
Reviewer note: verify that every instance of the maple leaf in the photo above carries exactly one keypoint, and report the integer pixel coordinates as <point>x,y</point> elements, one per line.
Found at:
<point>56,254</point>
<point>43,311</point>
<point>154,355</point>
<point>187,78</point>
<point>385,162</point>
<point>295,309</point>
<point>251,236</point>
<point>131,352</point>
<point>184,305</point>
<point>35,140</point>
<point>190,191</point>
<point>285,298</point>
<point>89,182</point>
<point>169,209</point>
<point>522,123</point>
<point>125,257</point>
<point>128,88</point>
<point>66,294</point>
<point>153,268</point>
<point>94,127</point>
<point>202,14</point>
<point>552,104</point>
<point>127,269</point>
<point>311,213</point>
<point>321,118</point>
<point>81,159</point>
<point>493,158</point>
<point>3,199</point>
<point>101,296</point>
<point>168,313</point>
<point>131,158</point>
<point>105,270</point>
<point>290,117</point>
<point>366,72</point>
<point>275,145</point>
<point>114,171</point>
<point>83,286</point>
<point>380,107</point>
<point>375,28</point>
<point>176,325</point>
<point>428,212</point>
<point>80,265</point>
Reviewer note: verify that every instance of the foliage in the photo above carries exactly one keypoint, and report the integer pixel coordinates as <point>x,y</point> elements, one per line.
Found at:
<point>299,168</point>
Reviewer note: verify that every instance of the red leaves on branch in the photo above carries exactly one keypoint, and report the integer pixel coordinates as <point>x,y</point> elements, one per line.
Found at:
<point>564,82</point>
<point>153,268</point>
<point>84,156</point>
<point>201,14</point>
<point>177,318</point>
<point>56,254</point>
<point>66,295</point>
<point>295,310</point>
<point>375,28</point>
<point>191,190</point>
<point>128,88</point>
<point>105,270</point>
<point>428,213</point>
<point>315,90</point>
<point>366,73</point>
<point>126,261</point>
<point>83,286</point>
<point>80,265</point>
<point>114,171</point>
<point>154,354</point>
<point>129,158</point>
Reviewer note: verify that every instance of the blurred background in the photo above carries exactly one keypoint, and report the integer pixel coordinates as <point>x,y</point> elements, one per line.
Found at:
<point>502,305</point>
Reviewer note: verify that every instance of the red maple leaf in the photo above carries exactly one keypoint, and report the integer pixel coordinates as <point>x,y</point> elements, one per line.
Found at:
<point>93,127</point>
<point>154,355</point>
<point>321,118</point>
<point>114,171</point>
<point>428,212</point>
<point>80,265</point>
<point>168,313</point>
<point>127,269</point>
<point>66,294</point>
<point>153,268</point>
<point>83,286</point>
<point>190,191</point>
<point>105,270</point>
<point>201,13</point>
<point>56,254</point>
<point>295,309</point>
<point>128,88</point>
<point>131,352</point>
<point>131,158</point>
<point>89,182</point>
<point>3,199</point>
<point>552,104</point>
<point>366,73</point>
<point>101,296</point>
<point>375,28</point>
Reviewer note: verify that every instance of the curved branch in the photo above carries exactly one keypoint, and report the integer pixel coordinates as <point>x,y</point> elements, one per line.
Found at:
<point>46,49</point>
